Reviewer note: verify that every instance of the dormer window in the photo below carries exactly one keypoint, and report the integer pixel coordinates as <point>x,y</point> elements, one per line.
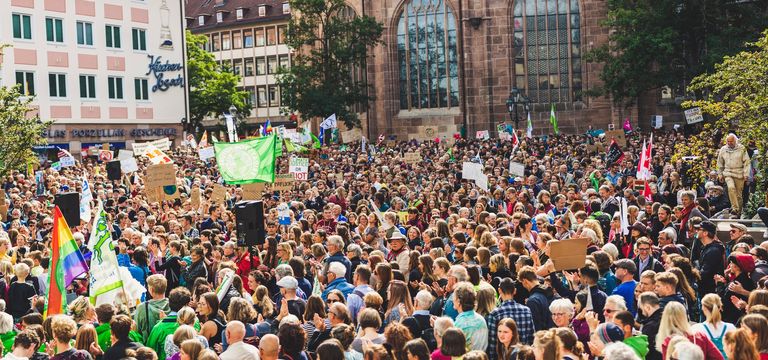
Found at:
<point>262,10</point>
<point>239,13</point>
<point>219,17</point>
<point>201,20</point>
<point>286,8</point>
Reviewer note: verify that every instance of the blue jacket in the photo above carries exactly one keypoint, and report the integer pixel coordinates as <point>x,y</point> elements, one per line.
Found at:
<point>338,284</point>
<point>538,301</point>
<point>339,257</point>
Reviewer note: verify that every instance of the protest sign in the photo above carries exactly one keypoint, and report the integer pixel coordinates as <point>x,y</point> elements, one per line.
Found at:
<point>293,135</point>
<point>128,165</point>
<point>194,196</point>
<point>516,169</point>
<point>124,154</point>
<point>656,121</point>
<point>412,157</point>
<point>105,155</point>
<point>160,175</point>
<point>163,144</point>
<point>67,161</point>
<point>569,254</point>
<point>618,135</point>
<point>219,194</point>
<point>351,136</point>
<point>283,182</point>
<point>206,153</point>
<point>299,168</point>
<point>482,181</point>
<point>693,115</point>
<point>253,191</point>
<point>471,171</point>
<point>482,135</point>
<point>157,156</point>
<point>283,214</point>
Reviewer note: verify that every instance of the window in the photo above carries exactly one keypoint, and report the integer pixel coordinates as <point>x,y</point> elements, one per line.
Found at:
<point>249,67</point>
<point>260,37</point>
<point>261,66</point>
<point>113,36</point>
<point>139,39</point>
<point>251,99</point>
<point>115,87</point>
<point>225,44</point>
<point>237,41</point>
<point>271,64</point>
<point>219,16</point>
<point>274,96</point>
<point>201,20</point>
<point>239,14</point>
<point>54,30</point>
<point>283,61</point>
<point>84,33</point>
<point>215,44</point>
<point>262,10</point>
<point>271,38</point>
<point>87,87</point>
<point>57,85</point>
<point>141,89</point>
<point>22,26</point>
<point>26,81</point>
<point>286,8</point>
<point>261,96</point>
<point>237,66</point>
<point>547,50</point>
<point>427,56</point>
<point>282,31</point>
<point>247,38</point>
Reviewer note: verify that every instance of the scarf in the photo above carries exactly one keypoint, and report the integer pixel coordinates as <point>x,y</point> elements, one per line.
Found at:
<point>685,215</point>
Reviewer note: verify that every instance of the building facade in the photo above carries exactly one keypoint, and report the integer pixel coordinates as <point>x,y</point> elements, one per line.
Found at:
<point>104,71</point>
<point>249,38</point>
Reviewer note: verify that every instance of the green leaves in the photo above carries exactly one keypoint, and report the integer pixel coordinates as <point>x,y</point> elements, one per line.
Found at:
<point>20,131</point>
<point>327,74</point>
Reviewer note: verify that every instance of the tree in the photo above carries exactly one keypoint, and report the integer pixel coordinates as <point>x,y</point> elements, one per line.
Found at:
<point>737,99</point>
<point>330,46</point>
<point>20,131</point>
<point>656,43</point>
<point>212,88</point>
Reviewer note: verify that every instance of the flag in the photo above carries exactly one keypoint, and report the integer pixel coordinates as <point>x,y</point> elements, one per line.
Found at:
<point>66,264</point>
<point>329,122</point>
<point>247,162</point>
<point>362,145</point>
<point>268,128</point>
<point>85,202</point>
<point>321,136</point>
<point>627,125</point>
<point>63,153</point>
<point>104,272</point>
<point>641,162</point>
<point>450,152</point>
<point>316,143</point>
<point>529,130</point>
<point>515,141</point>
<point>291,147</point>
<point>380,140</point>
<point>614,153</point>
<point>156,156</point>
<point>553,120</point>
<point>203,141</point>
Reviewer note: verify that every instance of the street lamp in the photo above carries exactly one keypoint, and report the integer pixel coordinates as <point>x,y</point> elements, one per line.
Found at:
<point>232,123</point>
<point>516,97</point>
<point>232,110</point>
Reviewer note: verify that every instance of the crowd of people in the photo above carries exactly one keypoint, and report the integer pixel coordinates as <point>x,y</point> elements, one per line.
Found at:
<point>386,259</point>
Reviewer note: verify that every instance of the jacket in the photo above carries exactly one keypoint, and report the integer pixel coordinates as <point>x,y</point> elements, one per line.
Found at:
<point>711,263</point>
<point>733,162</point>
<point>162,329</point>
<point>104,336</point>
<point>538,301</point>
<point>147,315</point>
<point>650,327</point>
<point>339,257</point>
<point>702,341</point>
<point>117,351</point>
<point>338,284</point>
<point>194,271</point>
<point>654,265</point>
<point>639,343</point>
<point>676,297</point>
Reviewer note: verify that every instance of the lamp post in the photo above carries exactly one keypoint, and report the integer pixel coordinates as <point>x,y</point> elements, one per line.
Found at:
<point>516,97</point>
<point>232,123</point>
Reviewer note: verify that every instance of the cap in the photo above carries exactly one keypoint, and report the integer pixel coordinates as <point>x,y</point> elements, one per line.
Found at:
<point>609,332</point>
<point>708,226</point>
<point>739,226</point>
<point>626,264</point>
<point>288,282</point>
<point>396,235</point>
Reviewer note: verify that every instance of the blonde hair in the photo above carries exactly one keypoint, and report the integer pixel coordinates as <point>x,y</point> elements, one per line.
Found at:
<point>674,321</point>
<point>714,304</point>
<point>486,299</point>
<point>63,328</point>
<point>78,308</point>
<point>261,298</point>
<point>594,225</point>
<point>183,333</point>
<point>186,316</point>
<point>549,343</point>
<point>192,347</point>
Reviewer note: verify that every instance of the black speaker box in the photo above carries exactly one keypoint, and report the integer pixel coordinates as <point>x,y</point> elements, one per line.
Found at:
<point>113,170</point>
<point>249,216</point>
<point>69,204</point>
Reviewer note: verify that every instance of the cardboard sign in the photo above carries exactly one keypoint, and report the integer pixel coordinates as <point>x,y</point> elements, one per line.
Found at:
<point>283,182</point>
<point>299,168</point>
<point>412,157</point>
<point>471,171</point>
<point>693,115</point>
<point>351,136</point>
<point>163,144</point>
<point>124,154</point>
<point>194,196</point>
<point>482,135</point>
<point>128,165</point>
<point>105,155</point>
<point>219,194</point>
<point>618,135</point>
<point>160,175</point>
<point>516,169</point>
<point>206,153</point>
<point>67,161</point>
<point>253,191</point>
<point>569,254</point>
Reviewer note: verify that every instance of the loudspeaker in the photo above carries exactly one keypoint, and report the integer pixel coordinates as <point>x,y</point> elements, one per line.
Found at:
<point>249,217</point>
<point>113,170</point>
<point>69,204</point>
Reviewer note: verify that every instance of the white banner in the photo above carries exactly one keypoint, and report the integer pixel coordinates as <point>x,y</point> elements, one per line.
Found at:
<point>516,169</point>
<point>471,171</point>
<point>206,153</point>
<point>85,202</point>
<point>163,144</point>
<point>67,161</point>
<point>299,168</point>
<point>128,165</point>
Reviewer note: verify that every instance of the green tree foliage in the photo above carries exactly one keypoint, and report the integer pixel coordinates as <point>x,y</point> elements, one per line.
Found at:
<point>331,44</point>
<point>20,132</point>
<point>736,97</point>
<point>212,88</point>
<point>656,43</point>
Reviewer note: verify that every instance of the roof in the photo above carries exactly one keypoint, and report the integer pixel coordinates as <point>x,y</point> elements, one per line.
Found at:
<point>209,8</point>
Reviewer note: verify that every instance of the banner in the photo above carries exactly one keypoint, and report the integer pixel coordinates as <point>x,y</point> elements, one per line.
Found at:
<point>67,161</point>
<point>248,161</point>
<point>206,153</point>
<point>299,167</point>
<point>157,156</point>
<point>412,157</point>
<point>140,149</point>
<point>283,182</point>
<point>128,165</point>
<point>471,171</point>
<point>85,202</point>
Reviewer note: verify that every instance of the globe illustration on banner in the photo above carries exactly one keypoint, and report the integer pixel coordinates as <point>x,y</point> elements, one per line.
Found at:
<point>239,163</point>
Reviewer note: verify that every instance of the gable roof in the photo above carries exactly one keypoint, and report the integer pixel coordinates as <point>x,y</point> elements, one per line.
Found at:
<point>209,8</point>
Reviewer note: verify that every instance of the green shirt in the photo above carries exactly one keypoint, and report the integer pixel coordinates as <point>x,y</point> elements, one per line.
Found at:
<point>161,330</point>
<point>104,336</point>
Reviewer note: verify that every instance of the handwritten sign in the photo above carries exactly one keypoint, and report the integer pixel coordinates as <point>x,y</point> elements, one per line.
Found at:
<point>219,194</point>
<point>693,115</point>
<point>160,175</point>
<point>351,136</point>
<point>299,168</point>
<point>283,182</point>
<point>253,191</point>
<point>412,157</point>
<point>140,149</point>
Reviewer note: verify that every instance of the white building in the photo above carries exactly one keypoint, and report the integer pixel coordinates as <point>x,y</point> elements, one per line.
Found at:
<point>105,71</point>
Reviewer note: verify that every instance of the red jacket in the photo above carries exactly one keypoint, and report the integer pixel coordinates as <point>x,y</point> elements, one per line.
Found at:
<point>244,268</point>
<point>702,341</point>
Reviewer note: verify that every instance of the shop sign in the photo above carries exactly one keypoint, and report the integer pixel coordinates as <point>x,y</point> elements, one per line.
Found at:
<point>158,69</point>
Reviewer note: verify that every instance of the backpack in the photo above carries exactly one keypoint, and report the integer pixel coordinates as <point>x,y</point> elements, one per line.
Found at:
<point>718,341</point>
<point>252,340</point>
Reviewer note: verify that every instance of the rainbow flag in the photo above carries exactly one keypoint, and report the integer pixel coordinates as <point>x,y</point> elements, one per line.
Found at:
<point>67,262</point>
